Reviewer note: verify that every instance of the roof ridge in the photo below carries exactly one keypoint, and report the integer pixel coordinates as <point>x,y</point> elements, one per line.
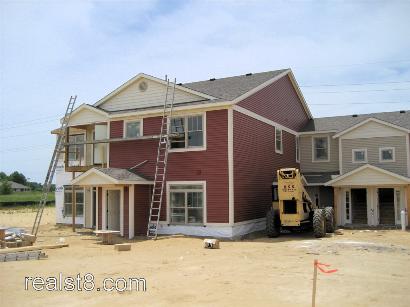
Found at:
<point>361,114</point>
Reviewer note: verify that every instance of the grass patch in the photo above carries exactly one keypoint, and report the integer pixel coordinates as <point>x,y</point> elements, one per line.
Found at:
<point>29,196</point>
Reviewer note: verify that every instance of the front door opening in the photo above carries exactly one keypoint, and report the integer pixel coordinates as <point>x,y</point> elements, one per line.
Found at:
<point>113,209</point>
<point>386,206</point>
<point>359,206</point>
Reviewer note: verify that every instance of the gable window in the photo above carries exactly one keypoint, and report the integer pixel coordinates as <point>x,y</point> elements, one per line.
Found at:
<point>133,129</point>
<point>187,132</point>
<point>297,140</point>
<point>186,203</point>
<point>359,155</point>
<point>387,154</point>
<point>68,201</point>
<point>321,149</point>
<point>278,141</point>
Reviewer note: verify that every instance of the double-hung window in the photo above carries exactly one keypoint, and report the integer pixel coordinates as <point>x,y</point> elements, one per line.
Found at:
<point>76,155</point>
<point>278,140</point>
<point>359,155</point>
<point>187,132</point>
<point>321,149</point>
<point>68,201</point>
<point>387,154</point>
<point>186,203</point>
<point>133,129</point>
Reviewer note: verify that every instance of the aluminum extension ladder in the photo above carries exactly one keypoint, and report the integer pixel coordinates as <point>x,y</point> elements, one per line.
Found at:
<point>161,165</point>
<point>53,164</point>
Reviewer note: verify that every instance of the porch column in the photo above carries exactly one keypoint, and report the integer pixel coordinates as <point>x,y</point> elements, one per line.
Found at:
<point>131,212</point>
<point>99,207</point>
<point>337,205</point>
<point>408,203</point>
<point>126,212</point>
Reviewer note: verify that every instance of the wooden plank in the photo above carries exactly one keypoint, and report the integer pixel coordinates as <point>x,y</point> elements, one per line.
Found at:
<point>113,140</point>
<point>32,248</point>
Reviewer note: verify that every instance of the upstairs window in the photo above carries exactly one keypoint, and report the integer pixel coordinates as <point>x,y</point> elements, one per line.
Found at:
<point>278,141</point>
<point>359,155</point>
<point>387,154</point>
<point>133,129</point>
<point>321,149</point>
<point>76,155</point>
<point>187,132</point>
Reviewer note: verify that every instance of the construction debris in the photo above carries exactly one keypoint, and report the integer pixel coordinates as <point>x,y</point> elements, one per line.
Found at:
<point>121,247</point>
<point>19,256</point>
<point>211,243</point>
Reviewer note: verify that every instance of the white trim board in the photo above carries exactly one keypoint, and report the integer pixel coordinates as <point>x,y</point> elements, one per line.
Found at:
<point>263,119</point>
<point>230,167</point>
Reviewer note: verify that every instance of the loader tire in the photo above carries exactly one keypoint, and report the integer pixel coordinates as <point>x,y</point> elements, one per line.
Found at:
<point>330,219</point>
<point>272,224</point>
<point>319,223</point>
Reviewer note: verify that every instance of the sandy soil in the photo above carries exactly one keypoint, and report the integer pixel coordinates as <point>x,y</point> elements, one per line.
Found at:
<point>374,269</point>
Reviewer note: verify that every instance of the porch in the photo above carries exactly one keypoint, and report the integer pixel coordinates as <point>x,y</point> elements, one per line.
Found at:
<point>371,196</point>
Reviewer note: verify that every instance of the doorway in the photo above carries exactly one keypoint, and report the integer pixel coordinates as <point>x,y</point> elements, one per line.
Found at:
<point>359,206</point>
<point>386,206</point>
<point>113,209</point>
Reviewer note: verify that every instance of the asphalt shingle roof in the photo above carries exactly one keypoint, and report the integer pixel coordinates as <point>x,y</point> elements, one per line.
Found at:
<point>232,87</point>
<point>121,174</point>
<point>340,123</point>
<point>319,178</point>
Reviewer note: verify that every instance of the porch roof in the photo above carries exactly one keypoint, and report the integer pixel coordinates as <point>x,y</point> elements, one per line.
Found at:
<point>368,175</point>
<point>108,176</point>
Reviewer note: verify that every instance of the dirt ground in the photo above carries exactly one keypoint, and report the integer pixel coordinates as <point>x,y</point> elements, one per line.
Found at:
<point>374,269</point>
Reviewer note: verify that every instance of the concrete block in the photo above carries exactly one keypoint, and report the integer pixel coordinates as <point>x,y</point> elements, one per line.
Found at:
<point>211,243</point>
<point>122,247</point>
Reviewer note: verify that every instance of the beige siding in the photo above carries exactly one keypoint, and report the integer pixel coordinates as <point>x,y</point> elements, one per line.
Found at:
<point>306,163</point>
<point>86,116</point>
<point>369,177</point>
<point>372,129</point>
<point>132,97</point>
<point>373,145</point>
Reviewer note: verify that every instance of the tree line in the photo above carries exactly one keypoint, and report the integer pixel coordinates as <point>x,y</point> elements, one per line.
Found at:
<point>5,186</point>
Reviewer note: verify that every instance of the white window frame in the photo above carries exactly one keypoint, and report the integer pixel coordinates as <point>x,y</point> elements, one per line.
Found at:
<point>204,214</point>
<point>297,148</point>
<point>278,130</point>
<point>359,150</point>
<point>314,151</point>
<point>125,122</point>
<point>196,148</point>
<point>381,156</point>
<point>348,193</point>
<point>64,202</point>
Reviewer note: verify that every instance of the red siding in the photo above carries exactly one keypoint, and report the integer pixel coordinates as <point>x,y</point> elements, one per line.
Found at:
<point>99,208</point>
<point>210,165</point>
<point>116,129</point>
<point>126,212</point>
<point>141,208</point>
<point>255,164</point>
<point>278,102</point>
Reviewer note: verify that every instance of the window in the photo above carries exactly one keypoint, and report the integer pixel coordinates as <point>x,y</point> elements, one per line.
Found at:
<point>133,129</point>
<point>186,204</point>
<point>187,132</point>
<point>297,149</point>
<point>387,154</point>
<point>320,149</point>
<point>278,140</point>
<point>76,155</point>
<point>359,155</point>
<point>68,201</point>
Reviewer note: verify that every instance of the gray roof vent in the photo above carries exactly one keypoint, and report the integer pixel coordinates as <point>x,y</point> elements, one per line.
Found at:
<point>402,111</point>
<point>248,74</point>
<point>354,115</point>
<point>212,79</point>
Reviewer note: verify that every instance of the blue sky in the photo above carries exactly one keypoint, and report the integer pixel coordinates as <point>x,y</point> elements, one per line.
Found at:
<point>348,56</point>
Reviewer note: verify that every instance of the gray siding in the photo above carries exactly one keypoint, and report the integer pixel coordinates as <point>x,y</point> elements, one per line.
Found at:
<point>373,145</point>
<point>306,163</point>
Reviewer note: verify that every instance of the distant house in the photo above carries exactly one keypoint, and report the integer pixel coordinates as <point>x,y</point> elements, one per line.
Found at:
<point>17,187</point>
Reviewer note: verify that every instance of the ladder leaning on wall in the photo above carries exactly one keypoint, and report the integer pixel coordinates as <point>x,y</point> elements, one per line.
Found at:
<point>53,164</point>
<point>161,164</point>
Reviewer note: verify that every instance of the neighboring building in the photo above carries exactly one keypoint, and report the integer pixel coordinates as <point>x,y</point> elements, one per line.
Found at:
<point>236,132</point>
<point>17,187</point>
<point>360,164</point>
